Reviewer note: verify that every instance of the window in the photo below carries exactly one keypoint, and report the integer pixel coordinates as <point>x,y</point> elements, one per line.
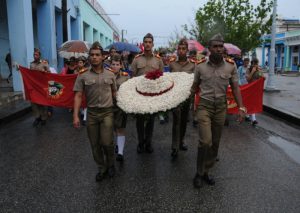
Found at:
<point>295,49</point>
<point>295,60</point>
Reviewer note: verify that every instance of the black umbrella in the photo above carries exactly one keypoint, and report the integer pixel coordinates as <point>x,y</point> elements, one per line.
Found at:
<point>122,46</point>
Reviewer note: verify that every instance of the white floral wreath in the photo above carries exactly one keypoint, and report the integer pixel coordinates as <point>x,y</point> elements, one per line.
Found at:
<point>131,101</point>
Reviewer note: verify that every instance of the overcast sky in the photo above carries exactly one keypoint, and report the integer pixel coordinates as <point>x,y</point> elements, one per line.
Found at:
<point>163,17</point>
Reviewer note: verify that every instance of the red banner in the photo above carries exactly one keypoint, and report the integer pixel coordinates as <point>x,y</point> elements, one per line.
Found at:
<point>48,89</point>
<point>252,95</point>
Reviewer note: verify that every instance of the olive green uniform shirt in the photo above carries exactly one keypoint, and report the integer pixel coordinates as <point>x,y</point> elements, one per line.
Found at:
<point>188,66</point>
<point>120,79</point>
<point>98,87</point>
<point>142,64</point>
<point>39,65</point>
<point>213,80</point>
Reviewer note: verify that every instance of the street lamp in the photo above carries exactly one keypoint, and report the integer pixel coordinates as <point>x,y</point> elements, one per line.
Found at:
<point>271,80</point>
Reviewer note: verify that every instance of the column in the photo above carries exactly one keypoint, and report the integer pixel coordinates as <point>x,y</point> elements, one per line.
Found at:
<point>19,15</point>
<point>278,56</point>
<point>46,31</point>
<point>263,61</point>
<point>286,57</point>
<point>269,55</point>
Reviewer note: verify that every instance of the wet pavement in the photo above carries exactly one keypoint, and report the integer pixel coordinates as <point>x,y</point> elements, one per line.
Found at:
<point>50,169</point>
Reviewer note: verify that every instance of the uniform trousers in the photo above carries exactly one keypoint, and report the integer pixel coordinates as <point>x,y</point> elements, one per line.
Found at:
<point>145,126</point>
<point>180,119</point>
<point>100,132</point>
<point>211,117</point>
<point>39,111</point>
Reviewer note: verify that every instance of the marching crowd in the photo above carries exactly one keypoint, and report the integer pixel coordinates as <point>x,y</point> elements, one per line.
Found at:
<point>99,78</point>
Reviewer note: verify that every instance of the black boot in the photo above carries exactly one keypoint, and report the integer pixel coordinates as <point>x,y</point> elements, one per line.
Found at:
<point>198,183</point>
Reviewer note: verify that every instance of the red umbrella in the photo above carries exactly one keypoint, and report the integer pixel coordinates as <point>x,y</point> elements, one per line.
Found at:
<point>232,49</point>
<point>195,45</point>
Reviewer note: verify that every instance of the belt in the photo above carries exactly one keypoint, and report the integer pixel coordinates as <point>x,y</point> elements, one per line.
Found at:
<point>216,100</point>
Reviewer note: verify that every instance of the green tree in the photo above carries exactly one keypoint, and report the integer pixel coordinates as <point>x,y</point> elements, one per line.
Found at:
<point>240,22</point>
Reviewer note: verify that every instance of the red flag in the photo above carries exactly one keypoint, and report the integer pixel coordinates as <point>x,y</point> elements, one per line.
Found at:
<point>48,89</point>
<point>252,95</point>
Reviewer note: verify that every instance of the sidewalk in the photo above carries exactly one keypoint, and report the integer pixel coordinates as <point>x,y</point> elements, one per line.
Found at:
<point>12,106</point>
<point>284,104</point>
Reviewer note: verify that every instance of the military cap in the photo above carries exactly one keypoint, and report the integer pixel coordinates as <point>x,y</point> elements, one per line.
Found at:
<point>217,37</point>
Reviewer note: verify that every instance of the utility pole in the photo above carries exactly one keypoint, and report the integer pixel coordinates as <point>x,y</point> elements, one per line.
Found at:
<point>64,9</point>
<point>122,34</point>
<point>271,80</point>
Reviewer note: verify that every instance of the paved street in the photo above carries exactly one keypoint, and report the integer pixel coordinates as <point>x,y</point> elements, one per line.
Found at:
<point>50,169</point>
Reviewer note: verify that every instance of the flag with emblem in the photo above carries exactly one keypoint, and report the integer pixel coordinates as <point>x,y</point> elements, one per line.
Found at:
<point>48,89</point>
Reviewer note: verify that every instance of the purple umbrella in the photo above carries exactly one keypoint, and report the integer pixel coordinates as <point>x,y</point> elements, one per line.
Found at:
<point>232,49</point>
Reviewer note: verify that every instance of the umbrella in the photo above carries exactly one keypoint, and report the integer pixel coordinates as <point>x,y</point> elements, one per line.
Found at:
<point>122,46</point>
<point>74,48</point>
<point>232,49</point>
<point>195,45</point>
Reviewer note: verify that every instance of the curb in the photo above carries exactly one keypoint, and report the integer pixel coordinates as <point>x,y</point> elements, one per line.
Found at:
<point>287,117</point>
<point>15,115</point>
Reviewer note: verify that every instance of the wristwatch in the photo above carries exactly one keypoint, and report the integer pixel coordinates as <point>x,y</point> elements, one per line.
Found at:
<point>243,109</point>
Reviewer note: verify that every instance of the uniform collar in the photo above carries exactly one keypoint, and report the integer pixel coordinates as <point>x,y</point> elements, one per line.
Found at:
<point>38,61</point>
<point>92,70</point>
<point>152,54</point>
<point>214,65</point>
<point>187,59</point>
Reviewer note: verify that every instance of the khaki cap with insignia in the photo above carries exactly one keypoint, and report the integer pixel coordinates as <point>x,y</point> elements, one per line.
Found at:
<point>217,37</point>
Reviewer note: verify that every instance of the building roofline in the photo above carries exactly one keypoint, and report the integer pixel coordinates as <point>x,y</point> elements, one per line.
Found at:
<point>101,12</point>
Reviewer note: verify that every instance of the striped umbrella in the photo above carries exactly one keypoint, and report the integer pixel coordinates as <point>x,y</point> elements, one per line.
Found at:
<point>74,48</point>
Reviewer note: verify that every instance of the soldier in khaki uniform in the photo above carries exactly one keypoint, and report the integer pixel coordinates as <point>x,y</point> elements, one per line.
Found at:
<point>99,86</point>
<point>213,76</point>
<point>39,111</point>
<point>181,113</point>
<point>143,63</point>
<point>120,117</point>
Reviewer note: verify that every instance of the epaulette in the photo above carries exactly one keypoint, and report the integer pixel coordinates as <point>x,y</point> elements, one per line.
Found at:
<point>157,56</point>
<point>109,69</point>
<point>201,60</point>
<point>194,61</point>
<point>124,73</point>
<point>83,70</point>
<point>172,59</point>
<point>229,60</point>
<point>138,55</point>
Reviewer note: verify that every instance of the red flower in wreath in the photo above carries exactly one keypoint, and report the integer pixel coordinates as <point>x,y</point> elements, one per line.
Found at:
<point>152,75</point>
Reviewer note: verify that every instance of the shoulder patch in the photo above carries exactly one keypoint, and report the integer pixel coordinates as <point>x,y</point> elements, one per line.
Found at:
<point>229,60</point>
<point>202,60</point>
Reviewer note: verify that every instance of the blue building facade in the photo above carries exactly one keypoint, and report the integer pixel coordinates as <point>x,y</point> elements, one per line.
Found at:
<point>38,24</point>
<point>287,50</point>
